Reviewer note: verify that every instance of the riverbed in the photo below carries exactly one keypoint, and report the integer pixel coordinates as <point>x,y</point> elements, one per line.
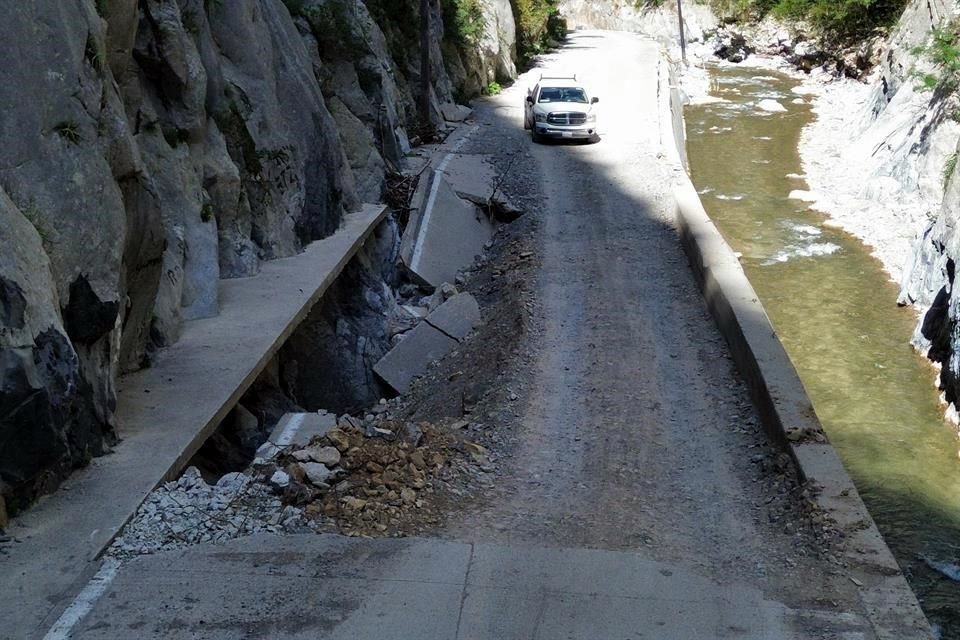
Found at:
<point>834,308</point>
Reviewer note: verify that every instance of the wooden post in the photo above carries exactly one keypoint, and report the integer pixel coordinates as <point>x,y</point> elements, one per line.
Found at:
<point>683,38</point>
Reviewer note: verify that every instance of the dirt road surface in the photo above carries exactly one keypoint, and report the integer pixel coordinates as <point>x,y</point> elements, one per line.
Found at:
<point>637,496</point>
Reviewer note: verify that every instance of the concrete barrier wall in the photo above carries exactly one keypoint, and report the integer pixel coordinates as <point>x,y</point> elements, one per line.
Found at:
<point>778,393</point>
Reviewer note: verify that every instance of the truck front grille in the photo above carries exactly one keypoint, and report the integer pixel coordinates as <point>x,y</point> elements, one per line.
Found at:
<point>566,118</point>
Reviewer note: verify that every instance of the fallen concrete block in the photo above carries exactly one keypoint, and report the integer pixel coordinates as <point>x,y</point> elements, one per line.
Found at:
<point>429,341</point>
<point>472,176</point>
<point>457,316</point>
<point>295,429</point>
<point>413,355</point>
<point>414,311</point>
<point>444,234</point>
<point>455,112</point>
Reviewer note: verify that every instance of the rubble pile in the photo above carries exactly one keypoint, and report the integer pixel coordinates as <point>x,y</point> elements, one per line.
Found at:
<point>189,511</point>
<point>378,476</point>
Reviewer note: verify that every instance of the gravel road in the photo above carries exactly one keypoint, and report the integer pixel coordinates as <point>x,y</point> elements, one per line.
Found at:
<point>635,433</point>
<point>625,487</point>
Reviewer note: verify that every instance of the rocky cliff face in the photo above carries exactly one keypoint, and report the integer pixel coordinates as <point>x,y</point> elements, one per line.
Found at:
<point>928,280</point>
<point>149,148</point>
<point>659,22</point>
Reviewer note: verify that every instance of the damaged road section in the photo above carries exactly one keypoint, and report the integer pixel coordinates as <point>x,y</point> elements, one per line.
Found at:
<point>437,335</point>
<point>450,219</point>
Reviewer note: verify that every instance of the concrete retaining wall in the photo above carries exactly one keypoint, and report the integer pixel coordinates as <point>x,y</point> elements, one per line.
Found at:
<point>778,393</point>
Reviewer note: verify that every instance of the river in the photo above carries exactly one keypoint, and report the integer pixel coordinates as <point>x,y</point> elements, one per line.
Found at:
<point>835,310</point>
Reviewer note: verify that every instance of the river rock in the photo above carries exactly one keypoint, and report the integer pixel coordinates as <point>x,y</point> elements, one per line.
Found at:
<point>771,106</point>
<point>730,46</point>
<point>806,55</point>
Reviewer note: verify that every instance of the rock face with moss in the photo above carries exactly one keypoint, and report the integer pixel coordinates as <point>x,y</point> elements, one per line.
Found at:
<point>150,148</point>
<point>928,281</point>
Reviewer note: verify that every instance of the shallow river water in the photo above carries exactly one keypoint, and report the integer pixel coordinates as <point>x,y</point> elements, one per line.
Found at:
<point>835,311</point>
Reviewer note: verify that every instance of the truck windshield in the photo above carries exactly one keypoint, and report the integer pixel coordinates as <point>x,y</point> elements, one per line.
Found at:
<point>563,94</point>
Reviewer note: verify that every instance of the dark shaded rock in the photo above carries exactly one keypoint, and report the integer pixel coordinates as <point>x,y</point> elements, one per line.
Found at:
<point>328,361</point>
<point>12,304</point>
<point>48,422</point>
<point>936,327</point>
<point>30,440</point>
<point>731,46</point>
<point>87,318</point>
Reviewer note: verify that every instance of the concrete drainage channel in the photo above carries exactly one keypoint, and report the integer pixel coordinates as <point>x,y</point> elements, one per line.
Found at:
<point>778,393</point>
<point>283,459</point>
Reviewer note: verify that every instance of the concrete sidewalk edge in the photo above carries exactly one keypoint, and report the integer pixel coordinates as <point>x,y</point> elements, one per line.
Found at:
<point>778,393</point>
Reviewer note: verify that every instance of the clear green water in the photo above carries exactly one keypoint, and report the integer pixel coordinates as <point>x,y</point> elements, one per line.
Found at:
<point>834,308</point>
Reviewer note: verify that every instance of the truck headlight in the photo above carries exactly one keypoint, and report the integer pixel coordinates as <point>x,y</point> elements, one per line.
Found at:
<point>591,117</point>
<point>540,117</point>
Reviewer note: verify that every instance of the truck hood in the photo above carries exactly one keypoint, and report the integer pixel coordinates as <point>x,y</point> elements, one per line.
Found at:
<point>573,107</point>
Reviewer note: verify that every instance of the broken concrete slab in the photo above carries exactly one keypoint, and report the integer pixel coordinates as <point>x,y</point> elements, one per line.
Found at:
<point>415,312</point>
<point>413,355</point>
<point>429,341</point>
<point>455,112</point>
<point>295,430</point>
<point>457,316</point>
<point>444,234</point>
<point>472,176</point>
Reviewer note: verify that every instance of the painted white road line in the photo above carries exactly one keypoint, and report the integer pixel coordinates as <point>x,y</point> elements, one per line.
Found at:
<point>85,601</point>
<point>431,199</point>
<point>269,449</point>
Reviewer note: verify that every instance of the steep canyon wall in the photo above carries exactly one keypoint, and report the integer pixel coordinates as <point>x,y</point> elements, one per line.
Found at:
<point>149,148</point>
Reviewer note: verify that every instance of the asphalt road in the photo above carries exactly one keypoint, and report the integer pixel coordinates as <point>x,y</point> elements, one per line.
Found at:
<point>631,507</point>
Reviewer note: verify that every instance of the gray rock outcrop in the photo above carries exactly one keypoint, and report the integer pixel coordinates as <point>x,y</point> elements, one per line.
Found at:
<point>658,22</point>
<point>928,278</point>
<point>150,148</point>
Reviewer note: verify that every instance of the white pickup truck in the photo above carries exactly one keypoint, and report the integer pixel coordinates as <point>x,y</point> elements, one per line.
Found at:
<point>560,107</point>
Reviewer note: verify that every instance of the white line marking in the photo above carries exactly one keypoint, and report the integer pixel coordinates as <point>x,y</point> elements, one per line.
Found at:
<point>428,208</point>
<point>290,430</point>
<point>269,449</point>
<point>85,601</point>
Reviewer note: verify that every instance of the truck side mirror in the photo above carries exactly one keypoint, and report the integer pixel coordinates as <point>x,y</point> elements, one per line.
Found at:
<point>594,100</point>
<point>529,99</point>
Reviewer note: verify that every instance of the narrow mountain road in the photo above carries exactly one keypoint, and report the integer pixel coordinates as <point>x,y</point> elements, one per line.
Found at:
<point>638,434</point>
<point>641,499</point>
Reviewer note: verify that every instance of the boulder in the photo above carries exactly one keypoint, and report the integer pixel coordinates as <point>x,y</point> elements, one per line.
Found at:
<point>455,112</point>
<point>328,456</point>
<point>318,474</point>
<point>730,46</point>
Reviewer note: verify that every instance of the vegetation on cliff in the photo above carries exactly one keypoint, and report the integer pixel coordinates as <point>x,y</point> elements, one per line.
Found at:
<point>538,24</point>
<point>841,20</point>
